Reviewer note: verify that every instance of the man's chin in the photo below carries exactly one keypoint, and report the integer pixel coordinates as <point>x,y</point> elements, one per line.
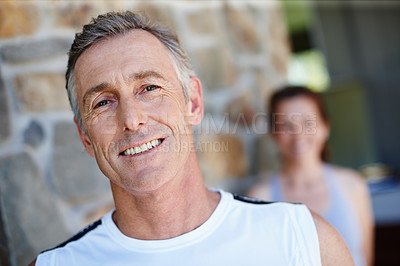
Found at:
<point>142,184</point>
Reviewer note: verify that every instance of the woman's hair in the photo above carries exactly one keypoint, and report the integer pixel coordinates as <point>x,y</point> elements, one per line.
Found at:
<point>290,92</point>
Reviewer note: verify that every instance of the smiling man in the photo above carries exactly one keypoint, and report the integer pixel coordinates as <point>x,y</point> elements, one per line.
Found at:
<point>135,98</point>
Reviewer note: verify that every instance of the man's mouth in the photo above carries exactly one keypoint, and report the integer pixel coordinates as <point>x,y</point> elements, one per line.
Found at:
<point>142,148</point>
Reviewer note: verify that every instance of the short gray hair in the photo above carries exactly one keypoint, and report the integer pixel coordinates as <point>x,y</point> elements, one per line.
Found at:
<point>114,24</point>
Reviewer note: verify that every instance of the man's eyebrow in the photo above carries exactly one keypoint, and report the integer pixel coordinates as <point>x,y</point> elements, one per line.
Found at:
<point>93,90</point>
<point>134,77</point>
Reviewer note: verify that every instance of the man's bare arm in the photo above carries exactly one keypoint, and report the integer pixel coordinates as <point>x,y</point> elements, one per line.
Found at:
<point>32,263</point>
<point>334,250</point>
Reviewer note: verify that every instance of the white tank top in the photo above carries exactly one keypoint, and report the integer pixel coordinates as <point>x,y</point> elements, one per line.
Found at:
<point>240,231</point>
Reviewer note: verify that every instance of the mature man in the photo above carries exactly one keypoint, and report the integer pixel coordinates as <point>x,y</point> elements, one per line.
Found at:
<point>135,99</point>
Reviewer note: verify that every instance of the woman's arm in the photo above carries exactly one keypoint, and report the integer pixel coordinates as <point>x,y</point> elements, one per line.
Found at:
<point>357,191</point>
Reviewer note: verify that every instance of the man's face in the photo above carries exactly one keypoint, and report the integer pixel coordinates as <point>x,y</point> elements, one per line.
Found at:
<point>136,121</point>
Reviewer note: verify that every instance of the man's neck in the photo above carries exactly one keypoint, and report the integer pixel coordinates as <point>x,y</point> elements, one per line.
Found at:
<point>170,211</point>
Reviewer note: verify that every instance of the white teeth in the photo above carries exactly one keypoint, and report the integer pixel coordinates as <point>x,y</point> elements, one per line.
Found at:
<point>155,142</point>
<point>137,150</point>
<point>142,148</point>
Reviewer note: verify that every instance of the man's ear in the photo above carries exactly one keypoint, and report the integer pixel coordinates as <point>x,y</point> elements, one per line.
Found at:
<point>84,138</point>
<point>195,104</point>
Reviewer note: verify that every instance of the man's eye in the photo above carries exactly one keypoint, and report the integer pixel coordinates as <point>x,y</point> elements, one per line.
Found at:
<point>101,103</point>
<point>150,88</point>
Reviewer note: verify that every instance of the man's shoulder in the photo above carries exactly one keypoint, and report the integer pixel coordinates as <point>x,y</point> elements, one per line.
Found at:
<point>252,202</point>
<point>86,237</point>
<point>268,211</point>
<point>80,235</point>
<point>273,224</point>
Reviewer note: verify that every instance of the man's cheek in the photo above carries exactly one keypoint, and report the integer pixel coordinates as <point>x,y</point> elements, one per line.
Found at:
<point>104,124</point>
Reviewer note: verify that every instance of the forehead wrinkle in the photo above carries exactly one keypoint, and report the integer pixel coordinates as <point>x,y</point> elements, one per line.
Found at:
<point>145,74</point>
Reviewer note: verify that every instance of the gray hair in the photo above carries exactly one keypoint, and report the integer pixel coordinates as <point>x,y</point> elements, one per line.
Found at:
<point>115,24</point>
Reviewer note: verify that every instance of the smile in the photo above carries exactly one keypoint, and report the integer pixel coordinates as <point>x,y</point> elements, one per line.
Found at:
<point>142,148</point>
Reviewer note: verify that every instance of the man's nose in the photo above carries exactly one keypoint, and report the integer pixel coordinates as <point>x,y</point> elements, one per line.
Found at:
<point>131,114</point>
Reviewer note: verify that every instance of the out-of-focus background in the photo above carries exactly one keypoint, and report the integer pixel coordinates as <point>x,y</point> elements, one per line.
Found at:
<point>242,51</point>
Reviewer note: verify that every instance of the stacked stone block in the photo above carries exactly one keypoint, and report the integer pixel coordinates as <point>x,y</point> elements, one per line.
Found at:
<point>49,186</point>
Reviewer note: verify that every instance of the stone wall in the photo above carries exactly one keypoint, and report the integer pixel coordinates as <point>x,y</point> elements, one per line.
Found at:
<point>49,186</point>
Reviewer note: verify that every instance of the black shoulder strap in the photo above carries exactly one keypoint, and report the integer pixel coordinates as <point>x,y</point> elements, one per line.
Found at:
<point>77,236</point>
<point>250,200</point>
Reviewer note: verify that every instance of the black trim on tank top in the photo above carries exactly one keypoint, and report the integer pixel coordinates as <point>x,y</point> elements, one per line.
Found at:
<point>256,201</point>
<point>77,236</point>
<point>250,200</point>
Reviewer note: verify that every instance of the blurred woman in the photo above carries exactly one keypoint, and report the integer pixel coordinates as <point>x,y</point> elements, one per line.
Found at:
<point>300,127</point>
